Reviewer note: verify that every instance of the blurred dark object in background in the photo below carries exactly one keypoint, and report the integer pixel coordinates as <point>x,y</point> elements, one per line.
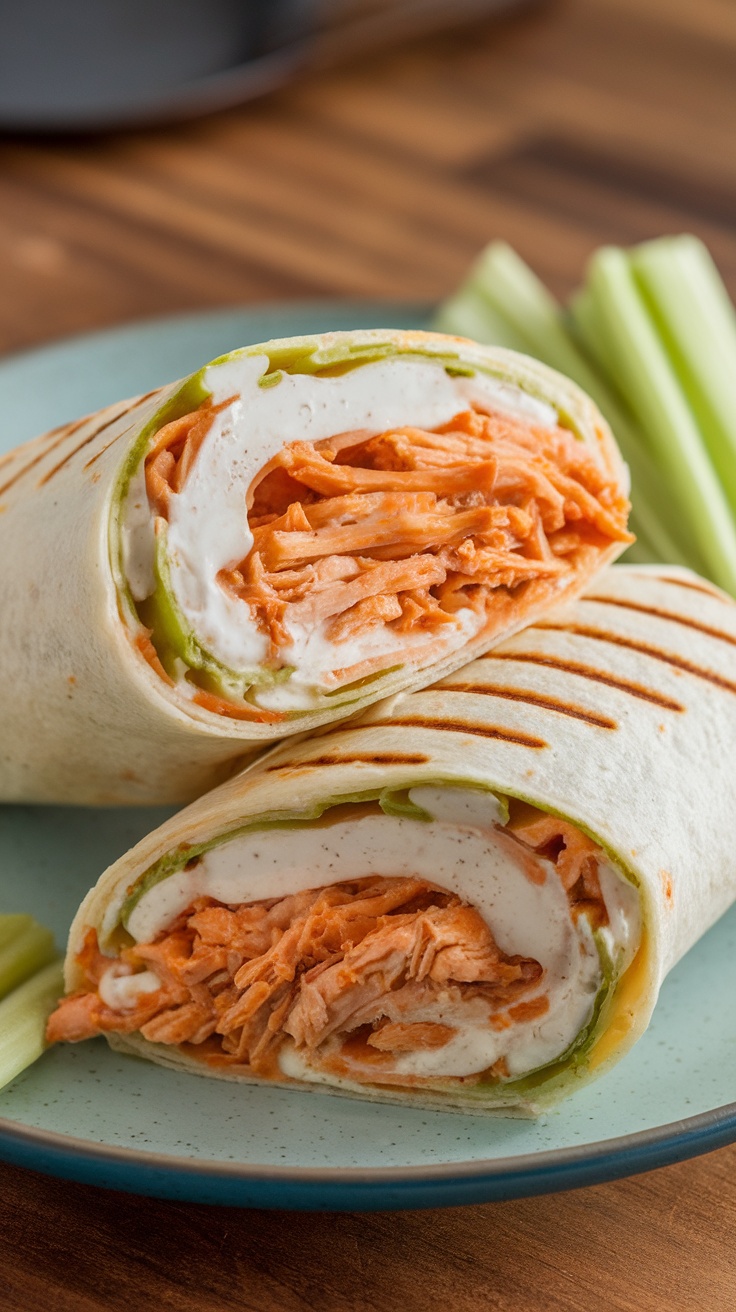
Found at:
<point>94,65</point>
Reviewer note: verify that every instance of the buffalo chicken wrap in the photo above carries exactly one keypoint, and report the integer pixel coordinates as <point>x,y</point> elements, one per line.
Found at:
<point>291,534</point>
<point>469,898</point>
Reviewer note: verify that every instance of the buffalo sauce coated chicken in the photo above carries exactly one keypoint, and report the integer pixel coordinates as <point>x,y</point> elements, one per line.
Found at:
<point>348,973</point>
<point>405,528</point>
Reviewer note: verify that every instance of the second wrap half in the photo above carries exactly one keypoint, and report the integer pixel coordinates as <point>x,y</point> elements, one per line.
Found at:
<point>296,530</point>
<point>470,898</point>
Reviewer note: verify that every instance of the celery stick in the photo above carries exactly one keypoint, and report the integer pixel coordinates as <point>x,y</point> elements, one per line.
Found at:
<point>695,320</point>
<point>23,1016</point>
<point>30,947</point>
<point>668,529</point>
<point>640,552</point>
<point>651,387</point>
<point>502,277</point>
<point>470,314</point>
<point>12,926</point>
<point>515,302</point>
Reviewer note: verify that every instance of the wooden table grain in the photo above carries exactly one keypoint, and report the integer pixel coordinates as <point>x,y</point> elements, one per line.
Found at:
<point>572,125</point>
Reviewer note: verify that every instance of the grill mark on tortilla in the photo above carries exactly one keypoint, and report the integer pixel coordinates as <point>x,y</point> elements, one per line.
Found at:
<point>694,587</point>
<point>91,437</point>
<point>655,652</point>
<point>462,726</point>
<point>534,699</point>
<point>102,451</point>
<point>61,435</point>
<point>369,758</point>
<point>665,615</point>
<point>46,478</point>
<point>590,672</point>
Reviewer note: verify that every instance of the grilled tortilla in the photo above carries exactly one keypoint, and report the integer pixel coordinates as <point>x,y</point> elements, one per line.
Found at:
<point>294,532</point>
<point>469,898</point>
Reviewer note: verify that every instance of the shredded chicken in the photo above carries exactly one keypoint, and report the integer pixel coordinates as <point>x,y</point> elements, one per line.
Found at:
<point>405,528</point>
<point>575,856</point>
<point>308,966</point>
<point>347,972</point>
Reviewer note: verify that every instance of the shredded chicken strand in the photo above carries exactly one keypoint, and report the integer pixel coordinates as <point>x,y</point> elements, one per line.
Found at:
<point>345,972</point>
<point>405,528</point>
<point>575,856</point>
<point>306,966</point>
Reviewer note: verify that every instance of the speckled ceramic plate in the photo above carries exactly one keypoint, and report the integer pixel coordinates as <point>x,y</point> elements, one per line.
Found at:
<point>88,1114</point>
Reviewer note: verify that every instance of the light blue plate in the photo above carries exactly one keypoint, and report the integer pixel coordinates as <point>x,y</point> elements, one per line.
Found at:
<point>88,1114</point>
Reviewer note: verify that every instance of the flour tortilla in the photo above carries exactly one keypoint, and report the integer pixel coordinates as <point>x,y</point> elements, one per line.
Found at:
<point>83,717</point>
<point>617,713</point>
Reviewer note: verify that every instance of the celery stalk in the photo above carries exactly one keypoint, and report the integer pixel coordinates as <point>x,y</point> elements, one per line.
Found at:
<point>11,926</point>
<point>640,552</point>
<point>652,389</point>
<point>470,314</point>
<point>695,320</point>
<point>668,529</point>
<point>23,1016</point>
<point>508,284</point>
<point>25,947</point>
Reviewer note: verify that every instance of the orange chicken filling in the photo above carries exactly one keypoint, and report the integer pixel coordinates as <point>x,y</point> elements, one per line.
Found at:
<point>405,528</point>
<point>345,972</point>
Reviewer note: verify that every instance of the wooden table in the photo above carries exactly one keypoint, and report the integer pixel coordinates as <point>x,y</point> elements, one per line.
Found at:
<point>576,124</point>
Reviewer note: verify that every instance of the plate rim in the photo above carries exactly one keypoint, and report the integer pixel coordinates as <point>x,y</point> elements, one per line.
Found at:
<point>484,1179</point>
<point>671,1136</point>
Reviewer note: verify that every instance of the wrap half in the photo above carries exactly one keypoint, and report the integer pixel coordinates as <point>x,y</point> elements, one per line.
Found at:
<point>295,531</point>
<point>469,899</point>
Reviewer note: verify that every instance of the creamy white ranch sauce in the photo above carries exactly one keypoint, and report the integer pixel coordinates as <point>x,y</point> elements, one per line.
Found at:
<point>120,989</point>
<point>462,849</point>
<point>208,527</point>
